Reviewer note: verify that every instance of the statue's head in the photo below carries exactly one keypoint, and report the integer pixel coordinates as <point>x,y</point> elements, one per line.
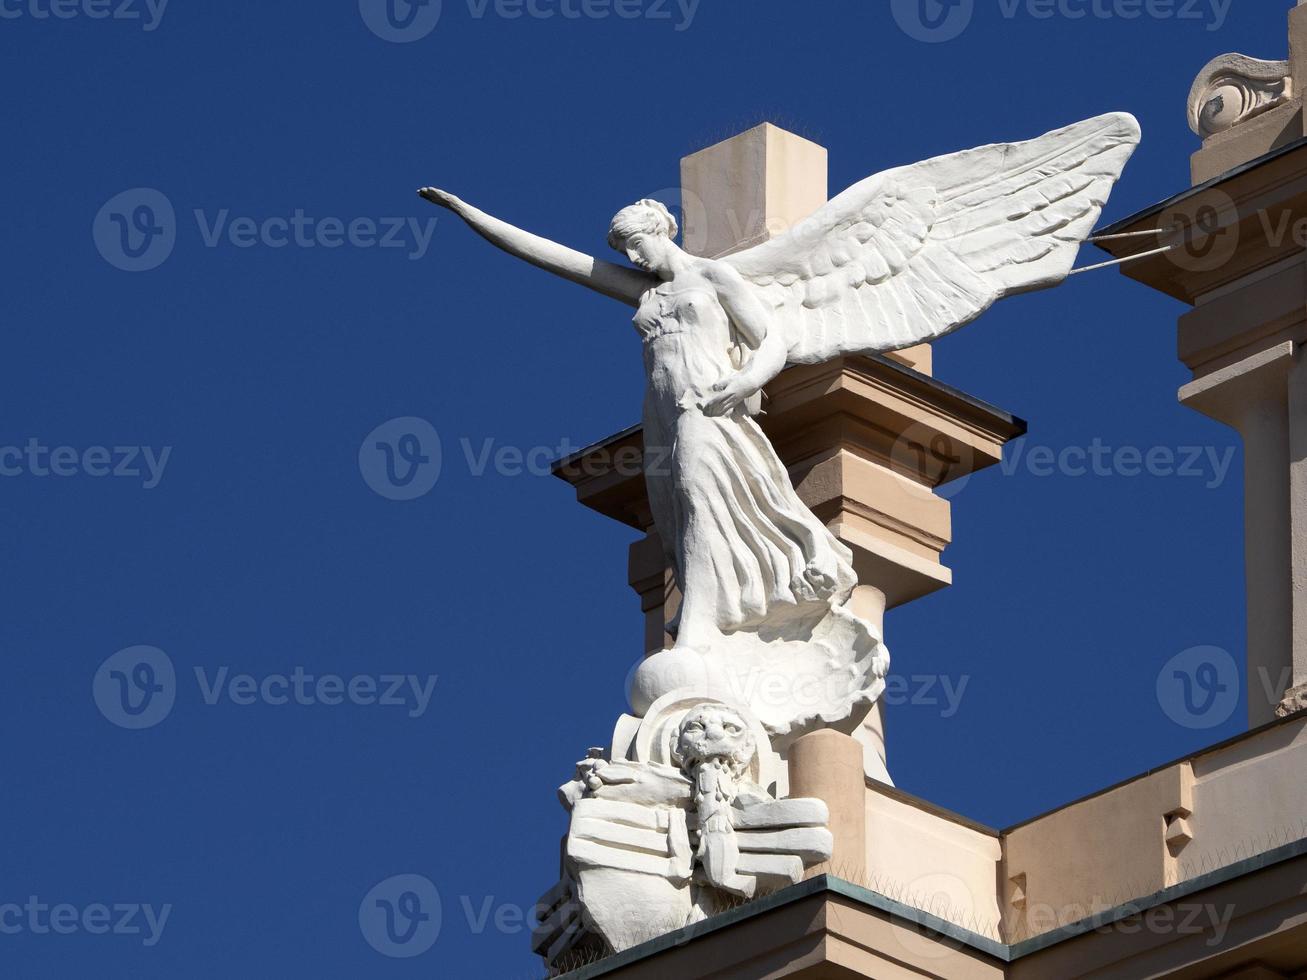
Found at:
<point>646,233</point>
<point>715,731</point>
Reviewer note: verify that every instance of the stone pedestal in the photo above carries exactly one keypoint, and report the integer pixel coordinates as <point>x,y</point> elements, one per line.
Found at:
<point>867,440</point>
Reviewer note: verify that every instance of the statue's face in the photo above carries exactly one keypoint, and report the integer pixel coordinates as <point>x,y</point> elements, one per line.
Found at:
<point>650,251</point>
<point>713,731</point>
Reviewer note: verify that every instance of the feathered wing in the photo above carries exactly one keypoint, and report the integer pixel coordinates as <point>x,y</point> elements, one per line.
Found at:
<point>911,254</point>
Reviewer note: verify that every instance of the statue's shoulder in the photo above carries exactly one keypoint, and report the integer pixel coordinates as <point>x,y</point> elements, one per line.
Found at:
<point>716,272</point>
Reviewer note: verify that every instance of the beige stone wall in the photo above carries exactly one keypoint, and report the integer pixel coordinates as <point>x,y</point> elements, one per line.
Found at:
<point>1198,815</point>
<point>1249,797</point>
<point>932,861</point>
<point>1222,806</point>
<point>1089,857</point>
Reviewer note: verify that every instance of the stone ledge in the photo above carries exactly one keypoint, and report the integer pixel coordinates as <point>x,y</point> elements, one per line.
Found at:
<point>1234,240</point>
<point>817,912</point>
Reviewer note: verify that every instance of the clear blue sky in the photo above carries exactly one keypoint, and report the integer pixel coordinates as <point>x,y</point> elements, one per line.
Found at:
<point>257,545</point>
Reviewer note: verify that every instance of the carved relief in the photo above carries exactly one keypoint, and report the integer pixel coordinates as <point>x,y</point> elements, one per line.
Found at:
<point>654,846</point>
<point>1234,88</point>
<point>714,749</point>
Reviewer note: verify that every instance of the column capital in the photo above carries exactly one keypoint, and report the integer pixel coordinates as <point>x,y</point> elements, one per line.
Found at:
<point>1230,393</point>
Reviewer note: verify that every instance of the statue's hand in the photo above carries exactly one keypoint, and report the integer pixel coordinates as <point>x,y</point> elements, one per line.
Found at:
<point>439,198</point>
<point>728,395</point>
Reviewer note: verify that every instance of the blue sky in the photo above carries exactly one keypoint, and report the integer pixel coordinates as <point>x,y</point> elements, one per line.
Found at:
<point>182,471</point>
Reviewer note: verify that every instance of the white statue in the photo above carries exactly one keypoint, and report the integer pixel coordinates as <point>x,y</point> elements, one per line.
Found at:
<point>898,259</point>
<point>714,749</point>
<point>666,838</point>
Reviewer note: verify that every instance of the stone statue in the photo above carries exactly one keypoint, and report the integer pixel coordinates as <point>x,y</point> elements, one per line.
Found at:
<point>684,813</point>
<point>898,259</point>
<point>714,750</point>
<point>668,837</point>
<point>1234,88</point>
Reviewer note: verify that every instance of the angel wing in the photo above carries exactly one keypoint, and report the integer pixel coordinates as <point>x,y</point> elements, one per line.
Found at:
<point>911,254</point>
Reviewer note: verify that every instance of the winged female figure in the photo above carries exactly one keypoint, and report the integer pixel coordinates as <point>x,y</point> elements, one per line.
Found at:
<point>898,259</point>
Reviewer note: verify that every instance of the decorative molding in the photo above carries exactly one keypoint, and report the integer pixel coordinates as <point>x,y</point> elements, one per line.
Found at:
<point>1018,895</point>
<point>1178,832</point>
<point>1233,88</point>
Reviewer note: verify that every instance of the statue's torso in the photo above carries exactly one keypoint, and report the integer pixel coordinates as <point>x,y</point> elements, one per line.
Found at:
<point>687,338</point>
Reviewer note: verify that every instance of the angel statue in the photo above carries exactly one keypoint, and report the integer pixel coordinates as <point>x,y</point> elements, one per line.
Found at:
<point>898,259</point>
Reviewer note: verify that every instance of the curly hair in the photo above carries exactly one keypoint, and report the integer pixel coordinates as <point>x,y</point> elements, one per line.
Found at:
<point>643,217</point>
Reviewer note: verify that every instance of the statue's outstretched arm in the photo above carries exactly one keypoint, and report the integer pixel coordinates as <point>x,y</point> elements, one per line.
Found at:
<point>618,282</point>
